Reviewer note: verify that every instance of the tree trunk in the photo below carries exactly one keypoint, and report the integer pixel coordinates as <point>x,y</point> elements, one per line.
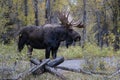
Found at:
<point>49,67</point>
<point>100,43</point>
<point>53,13</point>
<point>54,72</point>
<point>48,11</point>
<point>56,61</point>
<point>115,14</point>
<point>35,5</point>
<point>26,10</point>
<point>105,26</point>
<point>84,22</point>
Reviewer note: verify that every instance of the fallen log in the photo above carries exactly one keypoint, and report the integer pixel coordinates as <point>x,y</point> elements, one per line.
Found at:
<point>32,70</point>
<point>74,70</point>
<point>49,66</point>
<point>100,73</point>
<point>81,71</point>
<point>55,62</point>
<point>51,63</point>
<point>54,72</point>
<point>35,61</point>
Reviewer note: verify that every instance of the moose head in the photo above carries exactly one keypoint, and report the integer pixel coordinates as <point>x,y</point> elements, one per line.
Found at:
<point>64,19</point>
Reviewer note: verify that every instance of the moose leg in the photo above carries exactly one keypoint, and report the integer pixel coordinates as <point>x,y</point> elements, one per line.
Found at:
<point>29,53</point>
<point>54,53</point>
<point>47,53</point>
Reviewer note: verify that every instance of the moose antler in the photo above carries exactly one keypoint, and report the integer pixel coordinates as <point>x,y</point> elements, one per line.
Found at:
<point>63,17</point>
<point>78,24</point>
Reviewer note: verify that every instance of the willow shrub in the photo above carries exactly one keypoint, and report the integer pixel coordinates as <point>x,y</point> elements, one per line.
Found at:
<point>89,49</point>
<point>69,53</point>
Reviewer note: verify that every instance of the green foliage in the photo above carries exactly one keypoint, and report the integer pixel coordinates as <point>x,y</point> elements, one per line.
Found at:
<point>91,49</point>
<point>71,53</point>
<point>91,53</point>
<point>60,5</point>
<point>8,55</point>
<point>13,11</point>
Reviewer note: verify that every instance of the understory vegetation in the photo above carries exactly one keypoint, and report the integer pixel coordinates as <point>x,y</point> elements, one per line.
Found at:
<point>94,58</point>
<point>72,52</point>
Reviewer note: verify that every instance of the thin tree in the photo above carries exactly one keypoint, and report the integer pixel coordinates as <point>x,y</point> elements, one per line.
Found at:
<point>115,11</point>
<point>35,6</point>
<point>48,11</point>
<point>26,10</point>
<point>84,22</point>
<point>99,34</point>
<point>115,15</point>
<point>53,13</point>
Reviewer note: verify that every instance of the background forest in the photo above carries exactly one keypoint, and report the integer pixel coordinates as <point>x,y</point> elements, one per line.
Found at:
<point>101,18</point>
<point>99,38</point>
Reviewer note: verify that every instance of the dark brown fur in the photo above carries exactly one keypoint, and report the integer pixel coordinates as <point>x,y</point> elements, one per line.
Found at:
<point>46,37</point>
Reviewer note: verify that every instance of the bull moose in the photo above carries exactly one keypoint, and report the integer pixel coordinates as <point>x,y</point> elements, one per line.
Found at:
<point>49,36</point>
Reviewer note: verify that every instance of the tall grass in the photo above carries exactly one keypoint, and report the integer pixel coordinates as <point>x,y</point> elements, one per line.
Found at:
<point>94,50</point>
<point>69,53</point>
<point>90,52</point>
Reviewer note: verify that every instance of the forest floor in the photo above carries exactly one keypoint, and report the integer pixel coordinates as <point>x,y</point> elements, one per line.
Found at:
<point>92,59</point>
<point>107,64</point>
